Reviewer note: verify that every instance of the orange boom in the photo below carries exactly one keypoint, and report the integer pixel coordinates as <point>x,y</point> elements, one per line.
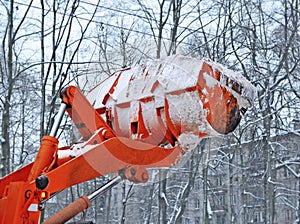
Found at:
<point>140,117</point>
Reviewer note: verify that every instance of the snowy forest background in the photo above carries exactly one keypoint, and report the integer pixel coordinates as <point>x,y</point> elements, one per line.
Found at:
<point>46,45</point>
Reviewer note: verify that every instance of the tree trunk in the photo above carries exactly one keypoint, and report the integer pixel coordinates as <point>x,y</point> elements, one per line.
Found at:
<point>43,90</point>
<point>149,210</point>
<point>205,195</point>
<point>231,191</point>
<point>5,142</point>
<point>162,204</point>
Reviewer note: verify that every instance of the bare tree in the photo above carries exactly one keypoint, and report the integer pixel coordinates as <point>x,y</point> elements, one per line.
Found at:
<point>64,19</point>
<point>192,167</point>
<point>10,74</point>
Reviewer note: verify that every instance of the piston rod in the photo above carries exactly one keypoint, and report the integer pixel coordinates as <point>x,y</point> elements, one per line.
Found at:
<point>58,119</point>
<point>105,187</point>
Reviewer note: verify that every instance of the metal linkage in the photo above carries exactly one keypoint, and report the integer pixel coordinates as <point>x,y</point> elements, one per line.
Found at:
<point>58,119</point>
<point>105,188</point>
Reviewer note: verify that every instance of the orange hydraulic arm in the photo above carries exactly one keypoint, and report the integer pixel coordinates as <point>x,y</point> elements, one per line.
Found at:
<point>22,192</point>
